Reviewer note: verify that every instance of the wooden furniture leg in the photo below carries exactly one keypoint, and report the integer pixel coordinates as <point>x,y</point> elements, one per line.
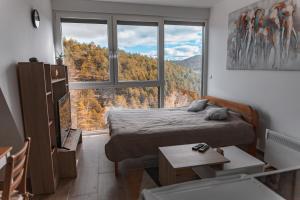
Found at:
<point>252,149</point>
<point>116,169</point>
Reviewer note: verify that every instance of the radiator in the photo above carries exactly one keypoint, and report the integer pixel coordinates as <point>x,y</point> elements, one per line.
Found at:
<point>281,151</point>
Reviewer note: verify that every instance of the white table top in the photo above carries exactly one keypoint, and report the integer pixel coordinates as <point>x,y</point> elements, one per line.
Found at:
<point>239,161</point>
<point>182,156</point>
<point>239,158</point>
<point>244,189</point>
<point>271,185</point>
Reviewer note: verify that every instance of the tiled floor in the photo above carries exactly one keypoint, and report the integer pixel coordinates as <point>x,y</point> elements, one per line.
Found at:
<point>96,180</point>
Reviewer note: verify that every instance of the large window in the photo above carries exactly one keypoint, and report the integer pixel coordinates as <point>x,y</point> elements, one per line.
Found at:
<point>129,62</point>
<point>183,63</point>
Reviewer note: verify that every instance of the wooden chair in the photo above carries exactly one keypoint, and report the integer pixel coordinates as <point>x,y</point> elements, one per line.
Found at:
<point>14,185</point>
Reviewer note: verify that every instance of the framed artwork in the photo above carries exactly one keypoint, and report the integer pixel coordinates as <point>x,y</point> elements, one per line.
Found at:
<point>265,36</point>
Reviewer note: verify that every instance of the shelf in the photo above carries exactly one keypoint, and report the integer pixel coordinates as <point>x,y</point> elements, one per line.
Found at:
<point>41,86</point>
<point>58,80</point>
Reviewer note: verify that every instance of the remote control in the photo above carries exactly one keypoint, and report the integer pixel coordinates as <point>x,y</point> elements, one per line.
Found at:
<point>204,148</point>
<point>197,147</point>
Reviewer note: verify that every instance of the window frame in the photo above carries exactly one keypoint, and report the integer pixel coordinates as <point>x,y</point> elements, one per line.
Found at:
<point>189,22</point>
<point>159,22</point>
<point>86,18</point>
<point>112,45</point>
<point>160,55</point>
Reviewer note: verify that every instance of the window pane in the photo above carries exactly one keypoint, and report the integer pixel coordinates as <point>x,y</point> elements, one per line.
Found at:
<point>89,106</point>
<point>137,51</point>
<point>86,51</point>
<point>183,64</point>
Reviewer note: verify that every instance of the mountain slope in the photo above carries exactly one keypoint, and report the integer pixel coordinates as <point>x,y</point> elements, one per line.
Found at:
<point>192,62</point>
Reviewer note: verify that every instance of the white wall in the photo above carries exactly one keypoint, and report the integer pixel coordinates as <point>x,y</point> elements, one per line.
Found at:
<point>9,134</point>
<point>18,42</point>
<point>132,9</point>
<point>275,94</point>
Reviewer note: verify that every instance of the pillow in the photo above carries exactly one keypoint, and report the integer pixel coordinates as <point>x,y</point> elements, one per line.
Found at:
<point>217,114</point>
<point>210,105</point>
<point>236,114</point>
<point>197,105</point>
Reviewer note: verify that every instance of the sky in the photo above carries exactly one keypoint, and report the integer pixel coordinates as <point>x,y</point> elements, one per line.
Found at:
<point>181,42</point>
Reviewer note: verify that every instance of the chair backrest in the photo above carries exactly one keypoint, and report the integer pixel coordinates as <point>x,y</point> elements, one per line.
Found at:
<point>16,172</point>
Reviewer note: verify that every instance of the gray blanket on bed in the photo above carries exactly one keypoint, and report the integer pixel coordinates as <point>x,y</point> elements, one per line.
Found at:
<point>136,133</point>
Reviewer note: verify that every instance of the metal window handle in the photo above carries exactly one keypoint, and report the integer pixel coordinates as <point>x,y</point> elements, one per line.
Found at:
<point>113,55</point>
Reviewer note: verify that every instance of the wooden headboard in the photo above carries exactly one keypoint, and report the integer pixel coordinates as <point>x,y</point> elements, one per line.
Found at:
<point>249,114</point>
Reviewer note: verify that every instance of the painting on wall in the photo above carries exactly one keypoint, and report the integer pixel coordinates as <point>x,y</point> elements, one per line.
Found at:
<point>265,36</point>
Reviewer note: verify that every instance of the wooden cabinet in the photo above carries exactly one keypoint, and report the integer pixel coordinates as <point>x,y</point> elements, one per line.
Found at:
<point>41,85</point>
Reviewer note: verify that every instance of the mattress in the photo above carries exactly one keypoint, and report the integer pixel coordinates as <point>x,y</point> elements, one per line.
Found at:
<point>136,132</point>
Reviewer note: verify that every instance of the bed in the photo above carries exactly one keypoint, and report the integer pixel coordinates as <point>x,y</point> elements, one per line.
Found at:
<point>136,133</point>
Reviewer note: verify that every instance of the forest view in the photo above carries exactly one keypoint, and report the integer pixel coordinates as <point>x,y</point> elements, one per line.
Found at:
<point>90,62</point>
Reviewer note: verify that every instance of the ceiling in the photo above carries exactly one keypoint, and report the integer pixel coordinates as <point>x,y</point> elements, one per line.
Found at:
<point>181,3</point>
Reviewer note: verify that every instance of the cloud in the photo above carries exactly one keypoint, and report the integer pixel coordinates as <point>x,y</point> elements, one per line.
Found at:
<point>86,33</point>
<point>182,52</point>
<point>131,36</point>
<point>183,34</point>
<point>180,41</point>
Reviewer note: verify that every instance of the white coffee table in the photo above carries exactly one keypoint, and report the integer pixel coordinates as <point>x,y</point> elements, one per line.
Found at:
<point>176,163</point>
<point>240,163</point>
